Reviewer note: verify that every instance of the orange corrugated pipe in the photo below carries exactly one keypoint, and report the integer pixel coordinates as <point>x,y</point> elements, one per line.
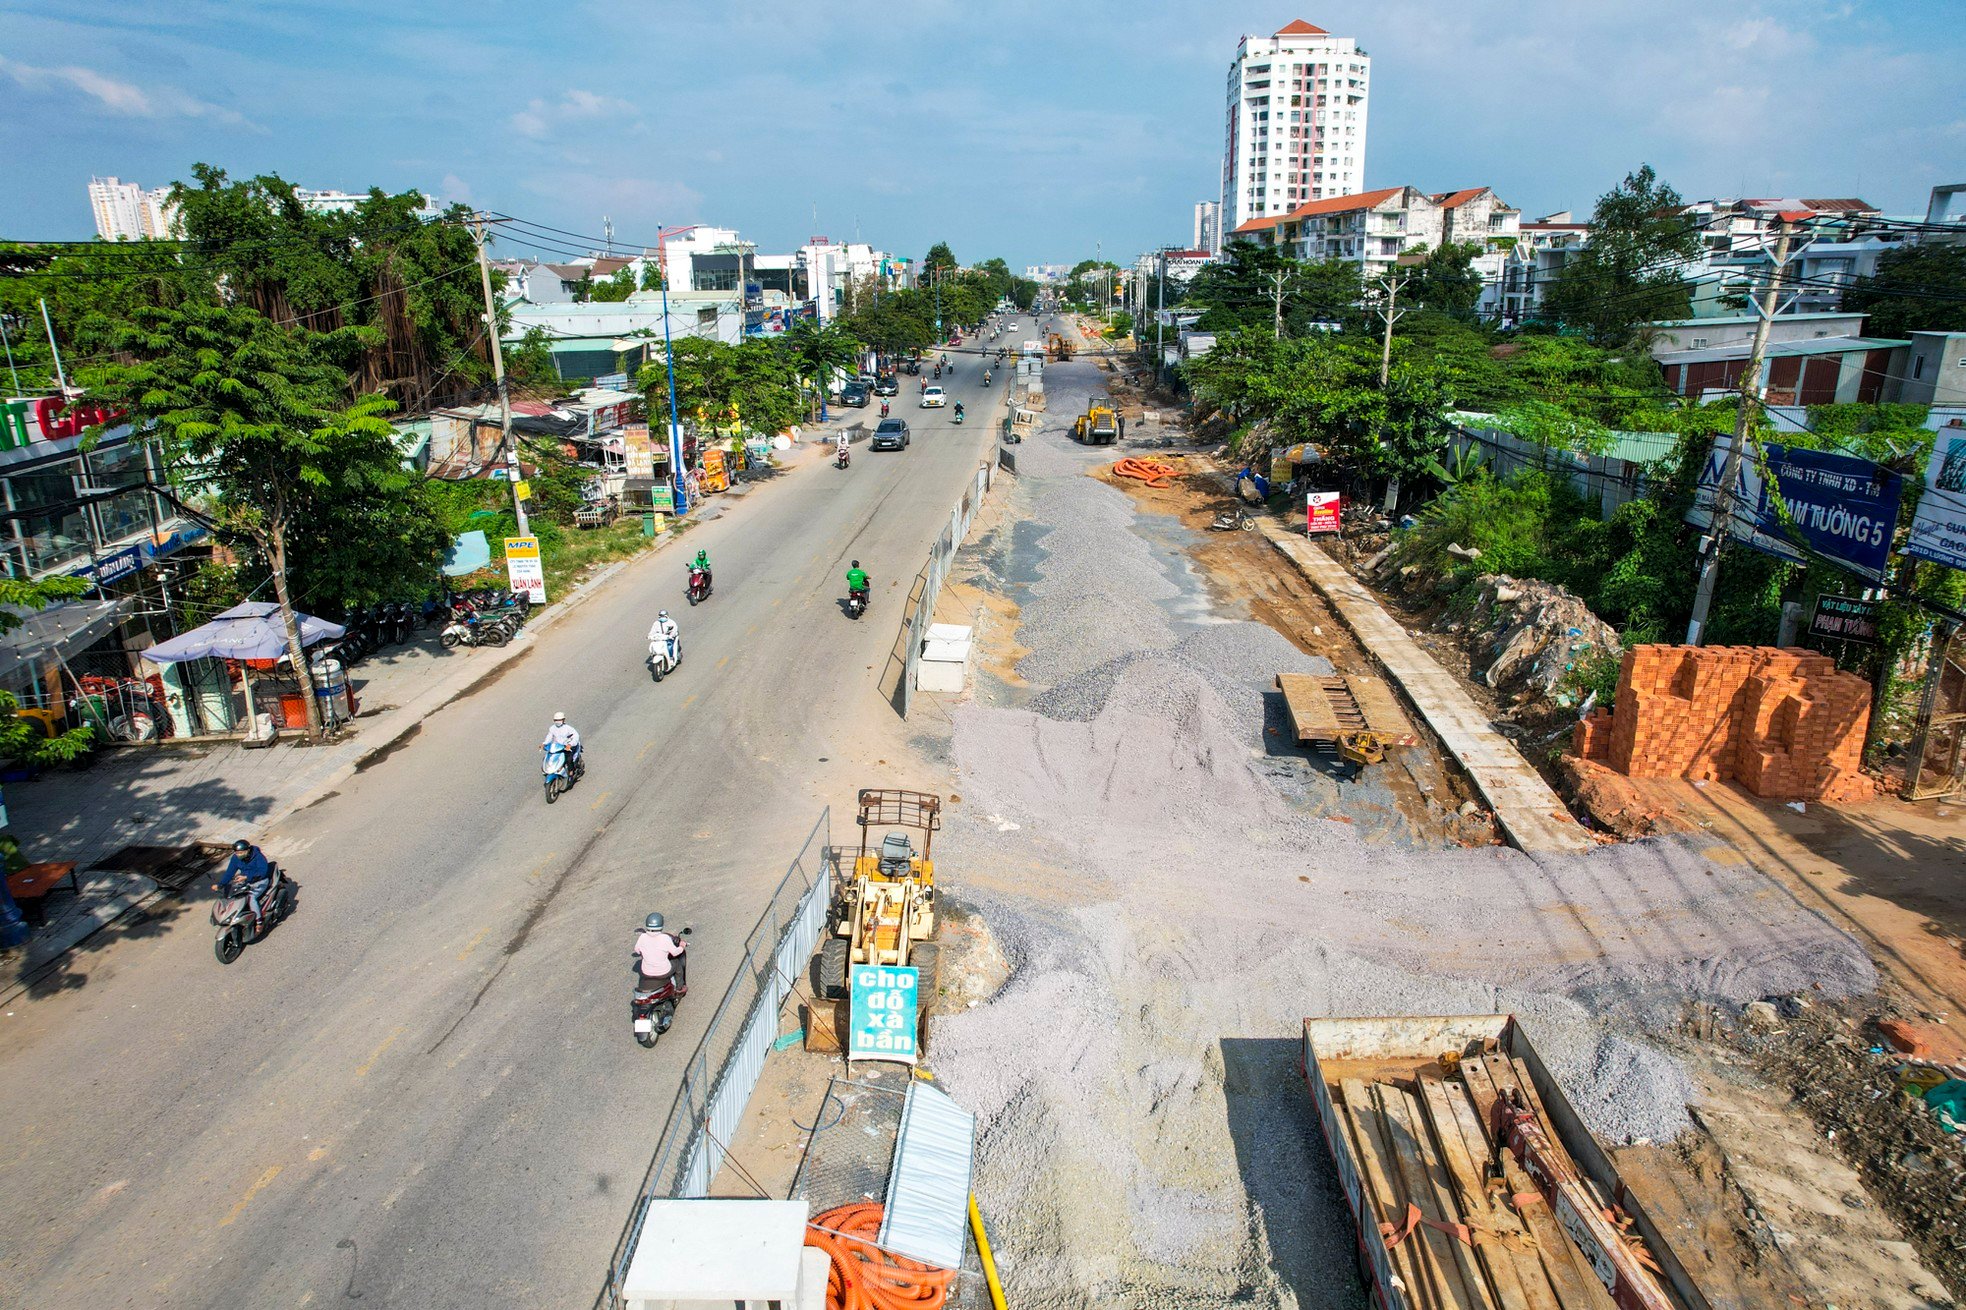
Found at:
<point>863,1276</point>
<point>1153,472</point>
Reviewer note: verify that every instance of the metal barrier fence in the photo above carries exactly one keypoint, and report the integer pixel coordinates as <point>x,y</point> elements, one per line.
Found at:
<point>724,1068</point>
<point>914,624</point>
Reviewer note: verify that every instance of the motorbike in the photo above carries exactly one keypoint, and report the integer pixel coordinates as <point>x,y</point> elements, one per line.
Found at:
<point>663,662</point>
<point>653,1008</point>
<point>698,588</point>
<point>986,377</point>
<point>856,602</point>
<point>840,460</point>
<point>233,917</point>
<point>959,418</point>
<point>558,776</point>
<point>469,628</point>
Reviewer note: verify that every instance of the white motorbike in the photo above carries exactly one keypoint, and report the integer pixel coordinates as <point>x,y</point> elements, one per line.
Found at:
<point>558,772</point>
<point>662,659</point>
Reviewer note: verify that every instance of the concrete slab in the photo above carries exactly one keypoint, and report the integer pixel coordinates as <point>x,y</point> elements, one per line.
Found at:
<point>1531,815</point>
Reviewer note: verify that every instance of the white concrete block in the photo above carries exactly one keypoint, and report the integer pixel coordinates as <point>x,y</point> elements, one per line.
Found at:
<point>718,1254</point>
<point>938,675</point>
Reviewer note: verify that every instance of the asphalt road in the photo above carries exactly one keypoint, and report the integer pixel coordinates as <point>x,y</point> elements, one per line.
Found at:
<point>422,1090</point>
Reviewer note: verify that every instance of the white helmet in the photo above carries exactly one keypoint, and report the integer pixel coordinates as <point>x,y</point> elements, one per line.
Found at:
<point>559,718</point>
<point>662,614</point>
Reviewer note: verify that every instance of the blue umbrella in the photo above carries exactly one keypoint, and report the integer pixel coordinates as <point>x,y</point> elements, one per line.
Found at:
<point>251,630</point>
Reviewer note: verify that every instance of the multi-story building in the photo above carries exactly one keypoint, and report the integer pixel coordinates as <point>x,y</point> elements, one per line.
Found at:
<point>1375,228</point>
<point>124,211</point>
<point>1208,227</point>
<point>1295,122</point>
<point>1541,250</point>
<point>346,202</point>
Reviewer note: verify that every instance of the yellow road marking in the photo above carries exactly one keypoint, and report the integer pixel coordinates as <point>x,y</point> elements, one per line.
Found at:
<point>687,702</point>
<point>642,754</point>
<point>259,1185</point>
<point>725,660</point>
<point>376,1054</point>
<point>472,945</point>
<point>598,799</point>
<point>753,632</point>
<point>775,600</point>
<point>319,1152</point>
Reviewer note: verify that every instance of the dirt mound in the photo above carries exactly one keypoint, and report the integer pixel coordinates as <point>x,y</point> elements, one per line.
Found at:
<point>1526,637</point>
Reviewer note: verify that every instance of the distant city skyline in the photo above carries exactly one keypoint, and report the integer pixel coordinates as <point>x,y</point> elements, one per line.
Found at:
<point>804,123</point>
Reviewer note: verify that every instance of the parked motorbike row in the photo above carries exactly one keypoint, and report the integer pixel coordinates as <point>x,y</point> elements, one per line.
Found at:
<point>369,629</point>
<point>484,618</point>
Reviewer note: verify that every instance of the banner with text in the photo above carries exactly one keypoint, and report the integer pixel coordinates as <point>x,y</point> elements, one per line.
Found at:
<point>1323,511</point>
<point>524,570</point>
<point>1839,507</point>
<point>1938,528</point>
<point>884,1013</point>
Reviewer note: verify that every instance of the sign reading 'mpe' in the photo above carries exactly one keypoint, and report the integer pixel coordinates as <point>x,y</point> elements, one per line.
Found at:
<point>884,1010</point>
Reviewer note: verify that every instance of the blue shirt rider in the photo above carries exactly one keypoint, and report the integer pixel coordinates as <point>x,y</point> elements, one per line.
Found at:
<point>250,866</point>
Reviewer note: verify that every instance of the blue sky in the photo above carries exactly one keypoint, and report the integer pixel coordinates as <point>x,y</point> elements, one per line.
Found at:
<point>1029,130</point>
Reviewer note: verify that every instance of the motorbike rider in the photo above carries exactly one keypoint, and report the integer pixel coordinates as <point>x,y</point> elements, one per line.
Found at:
<point>702,561</point>
<point>856,578</point>
<point>840,442</point>
<point>664,630</point>
<point>959,411</point>
<point>564,734</point>
<point>659,954</point>
<point>250,866</point>
<point>883,409</point>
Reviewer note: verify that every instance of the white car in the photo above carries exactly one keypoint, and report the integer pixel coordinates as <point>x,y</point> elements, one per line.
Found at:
<point>934,398</point>
<point>1010,326</point>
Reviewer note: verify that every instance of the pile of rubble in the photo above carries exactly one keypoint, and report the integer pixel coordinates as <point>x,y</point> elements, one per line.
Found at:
<point>1525,638</point>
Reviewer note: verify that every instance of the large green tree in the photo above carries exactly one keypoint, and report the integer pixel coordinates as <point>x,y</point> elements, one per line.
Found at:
<point>1920,288</point>
<point>1447,282</point>
<point>1633,269</point>
<point>1241,289</point>
<point>279,441</point>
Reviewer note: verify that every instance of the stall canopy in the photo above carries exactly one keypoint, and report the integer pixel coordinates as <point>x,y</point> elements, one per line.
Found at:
<point>59,630</point>
<point>248,631</point>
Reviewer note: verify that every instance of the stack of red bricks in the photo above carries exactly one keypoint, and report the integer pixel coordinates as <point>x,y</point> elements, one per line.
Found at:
<point>1784,723</point>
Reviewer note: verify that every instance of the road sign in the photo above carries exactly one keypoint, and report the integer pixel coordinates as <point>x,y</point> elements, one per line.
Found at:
<point>1845,618</point>
<point>1938,529</point>
<point>1842,509</point>
<point>524,570</point>
<point>885,1009</point>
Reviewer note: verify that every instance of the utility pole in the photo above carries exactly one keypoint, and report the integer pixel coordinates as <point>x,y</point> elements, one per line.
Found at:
<point>1277,280</point>
<point>1722,523</point>
<point>1391,315</point>
<point>509,455</point>
<point>54,349</point>
<point>1160,311</point>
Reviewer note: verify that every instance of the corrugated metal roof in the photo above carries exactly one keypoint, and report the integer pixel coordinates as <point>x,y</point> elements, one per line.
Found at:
<point>927,1210</point>
<point>1778,349</point>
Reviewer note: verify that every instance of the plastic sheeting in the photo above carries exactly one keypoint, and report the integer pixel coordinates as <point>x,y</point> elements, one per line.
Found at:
<point>927,1208</point>
<point>250,630</point>
<point>468,553</point>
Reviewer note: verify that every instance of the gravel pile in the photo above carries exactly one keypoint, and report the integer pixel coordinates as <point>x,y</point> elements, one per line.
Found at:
<point>1170,917</point>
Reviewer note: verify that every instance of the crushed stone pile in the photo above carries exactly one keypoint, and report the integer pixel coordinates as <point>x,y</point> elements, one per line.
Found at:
<point>1170,915</point>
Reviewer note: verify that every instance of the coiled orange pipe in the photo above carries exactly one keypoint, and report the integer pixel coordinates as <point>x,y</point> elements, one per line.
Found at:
<point>863,1276</point>
<point>1153,472</point>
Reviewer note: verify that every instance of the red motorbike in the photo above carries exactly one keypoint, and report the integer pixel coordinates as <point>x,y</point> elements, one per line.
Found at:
<point>699,585</point>
<point>653,1007</point>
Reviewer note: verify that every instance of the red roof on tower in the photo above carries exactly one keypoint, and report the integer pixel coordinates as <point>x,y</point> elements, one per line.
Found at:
<point>1301,28</point>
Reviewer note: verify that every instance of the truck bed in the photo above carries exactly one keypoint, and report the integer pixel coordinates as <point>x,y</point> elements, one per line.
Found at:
<point>1448,1218</point>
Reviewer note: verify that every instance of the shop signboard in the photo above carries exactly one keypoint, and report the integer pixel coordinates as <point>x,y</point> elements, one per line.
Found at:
<point>113,568</point>
<point>1323,512</point>
<point>33,426</point>
<point>524,570</point>
<point>884,1013</point>
<point>1839,508</point>
<point>662,499</point>
<point>1938,528</point>
<point>1844,618</point>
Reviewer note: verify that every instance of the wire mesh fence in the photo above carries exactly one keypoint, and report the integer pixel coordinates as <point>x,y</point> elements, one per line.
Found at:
<point>928,583</point>
<point>850,1153</point>
<point>724,1068</point>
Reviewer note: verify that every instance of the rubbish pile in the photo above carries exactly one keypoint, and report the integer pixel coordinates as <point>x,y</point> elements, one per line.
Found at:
<point>1526,637</point>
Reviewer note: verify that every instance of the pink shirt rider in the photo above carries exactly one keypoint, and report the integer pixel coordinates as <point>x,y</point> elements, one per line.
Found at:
<point>655,950</point>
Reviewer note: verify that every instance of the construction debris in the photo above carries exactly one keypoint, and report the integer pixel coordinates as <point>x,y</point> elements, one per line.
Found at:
<point>1526,635</point>
<point>1785,724</point>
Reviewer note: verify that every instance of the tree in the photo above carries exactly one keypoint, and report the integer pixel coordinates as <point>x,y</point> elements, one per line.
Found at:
<point>939,257</point>
<point>652,275</point>
<point>1447,282</point>
<point>728,388</point>
<point>819,351</point>
<point>610,291</point>
<point>1240,289</point>
<point>1631,272</point>
<point>267,418</point>
<point>1919,288</point>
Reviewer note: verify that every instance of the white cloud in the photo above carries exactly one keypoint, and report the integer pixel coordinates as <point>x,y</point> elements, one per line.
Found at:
<point>453,188</point>
<point>125,99</point>
<point>538,119</point>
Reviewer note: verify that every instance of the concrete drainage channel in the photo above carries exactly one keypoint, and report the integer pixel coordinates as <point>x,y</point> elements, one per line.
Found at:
<point>1173,905</point>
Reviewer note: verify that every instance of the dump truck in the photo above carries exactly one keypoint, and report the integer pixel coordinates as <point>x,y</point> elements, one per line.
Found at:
<point>1101,424</point>
<point>883,909</point>
<point>1471,1177</point>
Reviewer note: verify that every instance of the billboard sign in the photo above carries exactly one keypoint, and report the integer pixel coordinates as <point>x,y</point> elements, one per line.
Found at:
<point>1938,529</point>
<point>1323,512</point>
<point>524,570</point>
<point>1808,502</point>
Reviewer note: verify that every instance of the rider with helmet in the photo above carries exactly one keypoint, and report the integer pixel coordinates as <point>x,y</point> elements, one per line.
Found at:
<point>664,630</point>
<point>660,954</point>
<point>249,866</point>
<point>564,734</point>
<point>856,578</point>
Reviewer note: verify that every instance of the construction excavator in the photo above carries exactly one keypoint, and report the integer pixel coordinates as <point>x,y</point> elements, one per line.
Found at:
<point>1100,425</point>
<point>1058,347</point>
<point>883,909</point>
